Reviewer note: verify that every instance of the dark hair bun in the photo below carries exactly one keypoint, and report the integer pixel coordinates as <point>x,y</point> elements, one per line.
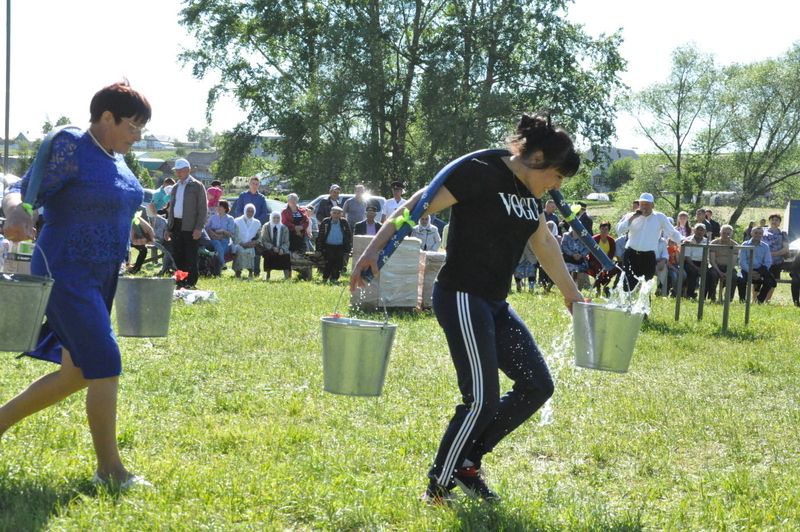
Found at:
<point>537,133</point>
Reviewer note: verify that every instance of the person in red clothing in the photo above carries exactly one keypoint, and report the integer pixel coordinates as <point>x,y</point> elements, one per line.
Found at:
<point>607,243</point>
<point>296,219</point>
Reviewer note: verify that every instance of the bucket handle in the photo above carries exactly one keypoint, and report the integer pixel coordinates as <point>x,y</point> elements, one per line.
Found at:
<point>46,264</point>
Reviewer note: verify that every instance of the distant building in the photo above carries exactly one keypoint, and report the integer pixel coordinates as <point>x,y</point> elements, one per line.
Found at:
<point>201,165</point>
<point>154,142</point>
<point>262,148</point>
<point>607,155</point>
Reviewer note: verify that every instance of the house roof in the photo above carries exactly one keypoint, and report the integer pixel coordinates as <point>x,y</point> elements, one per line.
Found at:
<point>202,158</point>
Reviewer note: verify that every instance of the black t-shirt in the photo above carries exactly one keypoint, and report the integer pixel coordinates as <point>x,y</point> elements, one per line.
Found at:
<point>489,227</point>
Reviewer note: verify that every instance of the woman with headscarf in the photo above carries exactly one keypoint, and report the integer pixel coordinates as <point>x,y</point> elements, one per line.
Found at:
<point>245,240</point>
<point>274,241</point>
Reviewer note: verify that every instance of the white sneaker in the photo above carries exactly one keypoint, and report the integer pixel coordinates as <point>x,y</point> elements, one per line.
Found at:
<point>134,481</point>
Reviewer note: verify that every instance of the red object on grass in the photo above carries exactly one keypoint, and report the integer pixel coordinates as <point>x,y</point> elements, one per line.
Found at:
<point>336,315</point>
<point>180,275</point>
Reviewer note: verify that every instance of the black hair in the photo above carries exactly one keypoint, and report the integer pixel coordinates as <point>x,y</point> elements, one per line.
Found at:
<point>537,134</point>
<point>225,205</point>
<point>122,101</point>
<point>216,183</point>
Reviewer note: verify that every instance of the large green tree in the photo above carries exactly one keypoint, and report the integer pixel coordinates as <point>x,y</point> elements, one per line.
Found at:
<point>369,90</point>
<point>680,113</point>
<point>765,124</point>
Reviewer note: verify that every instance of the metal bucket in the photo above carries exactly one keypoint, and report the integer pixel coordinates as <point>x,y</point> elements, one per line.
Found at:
<point>23,300</point>
<point>604,337</point>
<point>143,306</point>
<point>355,355</point>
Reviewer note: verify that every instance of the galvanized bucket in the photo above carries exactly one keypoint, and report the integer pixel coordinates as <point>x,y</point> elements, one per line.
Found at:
<point>143,306</point>
<point>604,336</point>
<point>355,355</point>
<point>23,300</point>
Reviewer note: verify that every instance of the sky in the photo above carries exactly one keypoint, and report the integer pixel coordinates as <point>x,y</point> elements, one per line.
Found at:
<point>63,52</point>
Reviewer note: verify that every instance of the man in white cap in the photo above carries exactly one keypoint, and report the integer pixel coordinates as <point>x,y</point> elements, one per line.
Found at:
<point>644,227</point>
<point>186,219</point>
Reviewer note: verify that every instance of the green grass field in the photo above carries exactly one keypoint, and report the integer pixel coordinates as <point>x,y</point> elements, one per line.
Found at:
<point>227,417</point>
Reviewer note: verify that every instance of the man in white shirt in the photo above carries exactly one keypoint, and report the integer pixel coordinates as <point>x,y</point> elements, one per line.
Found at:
<point>644,227</point>
<point>396,201</point>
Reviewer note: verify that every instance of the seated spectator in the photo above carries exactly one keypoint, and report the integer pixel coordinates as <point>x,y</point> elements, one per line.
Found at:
<point>159,225</point>
<point>427,233</point>
<point>667,277</point>
<point>296,219</point>
<point>544,279</point>
<point>778,242</point>
<point>368,226</point>
<point>607,243</point>
<point>213,194</point>
<point>245,240</point>
<point>575,254</point>
<point>694,262</point>
<point>445,235</point>
<point>274,242</point>
<point>141,235</point>
<point>221,228</point>
<point>762,260</point>
<point>335,242</point>
<point>723,257</point>
<point>526,269</point>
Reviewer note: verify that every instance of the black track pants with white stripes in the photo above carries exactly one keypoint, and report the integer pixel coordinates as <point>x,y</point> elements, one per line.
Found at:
<point>485,336</point>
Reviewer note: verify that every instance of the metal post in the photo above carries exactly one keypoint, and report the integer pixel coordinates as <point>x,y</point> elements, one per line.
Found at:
<point>679,289</point>
<point>701,297</point>
<point>728,292</point>
<point>749,286</point>
<point>8,82</point>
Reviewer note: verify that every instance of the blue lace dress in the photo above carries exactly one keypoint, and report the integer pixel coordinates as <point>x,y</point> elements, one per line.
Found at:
<point>89,199</point>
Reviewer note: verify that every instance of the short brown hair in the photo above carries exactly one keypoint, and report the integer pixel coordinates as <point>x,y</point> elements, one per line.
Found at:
<point>121,101</point>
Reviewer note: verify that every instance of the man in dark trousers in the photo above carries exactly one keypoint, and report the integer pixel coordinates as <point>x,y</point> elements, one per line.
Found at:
<point>187,217</point>
<point>335,241</point>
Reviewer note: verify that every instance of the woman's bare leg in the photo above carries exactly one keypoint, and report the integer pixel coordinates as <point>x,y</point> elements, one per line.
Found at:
<point>44,392</point>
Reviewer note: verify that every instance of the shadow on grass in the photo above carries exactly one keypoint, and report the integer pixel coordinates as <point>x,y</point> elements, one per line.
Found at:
<point>476,516</point>
<point>749,335</point>
<point>26,505</point>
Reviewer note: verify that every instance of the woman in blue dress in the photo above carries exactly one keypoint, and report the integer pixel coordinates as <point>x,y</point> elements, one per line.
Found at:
<point>85,174</point>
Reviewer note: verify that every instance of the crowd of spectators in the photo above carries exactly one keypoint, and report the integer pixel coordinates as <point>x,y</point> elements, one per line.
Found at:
<point>651,247</point>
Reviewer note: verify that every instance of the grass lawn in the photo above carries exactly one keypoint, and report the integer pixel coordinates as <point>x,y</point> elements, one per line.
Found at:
<point>227,417</point>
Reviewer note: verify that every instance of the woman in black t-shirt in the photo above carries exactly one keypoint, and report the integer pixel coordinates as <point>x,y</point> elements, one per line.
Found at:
<point>496,210</point>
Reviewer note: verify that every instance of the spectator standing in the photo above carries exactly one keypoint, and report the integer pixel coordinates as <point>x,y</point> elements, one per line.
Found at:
<point>296,220</point>
<point>395,202</point>
<point>327,204</point>
<point>778,242</point>
<point>723,257</point>
<point>368,226</point>
<point>748,230</point>
<point>699,218</point>
<point>712,225</point>
<point>644,227</point>
<point>274,241</point>
<point>762,260</point>
<point>427,233</point>
<point>313,228</point>
<point>335,241</point>
<point>585,219</point>
<point>214,193</point>
<point>245,241</point>
<point>220,228</point>
<point>355,209</point>
<point>161,195</point>
<point>187,218</point>
<point>683,227</point>
<point>258,200</point>
<point>794,273</point>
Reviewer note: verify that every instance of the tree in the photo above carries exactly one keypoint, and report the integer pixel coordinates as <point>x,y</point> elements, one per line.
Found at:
<point>765,103</point>
<point>191,135</point>
<point>618,173</point>
<point>668,113</point>
<point>372,90</point>
<point>141,173</point>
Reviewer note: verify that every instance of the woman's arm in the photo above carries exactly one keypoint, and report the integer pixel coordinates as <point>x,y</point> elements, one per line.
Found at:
<point>548,252</point>
<point>19,225</point>
<point>369,259</point>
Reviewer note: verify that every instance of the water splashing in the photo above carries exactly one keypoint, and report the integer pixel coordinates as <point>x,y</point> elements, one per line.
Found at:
<point>637,301</point>
<point>559,356</point>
